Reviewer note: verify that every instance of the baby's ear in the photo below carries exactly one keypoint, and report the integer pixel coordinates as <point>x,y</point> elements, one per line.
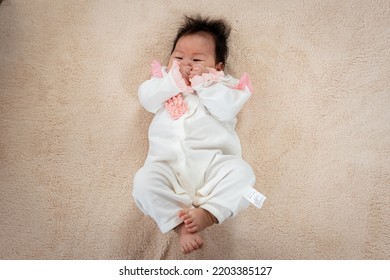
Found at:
<point>220,66</point>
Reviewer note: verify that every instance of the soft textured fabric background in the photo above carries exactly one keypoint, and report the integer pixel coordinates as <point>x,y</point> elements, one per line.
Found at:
<point>317,130</point>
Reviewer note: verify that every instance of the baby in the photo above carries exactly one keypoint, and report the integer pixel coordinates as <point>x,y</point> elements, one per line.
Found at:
<point>194,175</point>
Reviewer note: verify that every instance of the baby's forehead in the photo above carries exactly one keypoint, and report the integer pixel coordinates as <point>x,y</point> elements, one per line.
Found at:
<point>198,35</point>
<point>199,39</point>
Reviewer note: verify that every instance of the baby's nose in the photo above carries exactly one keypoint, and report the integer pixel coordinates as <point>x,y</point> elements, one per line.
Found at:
<point>187,62</point>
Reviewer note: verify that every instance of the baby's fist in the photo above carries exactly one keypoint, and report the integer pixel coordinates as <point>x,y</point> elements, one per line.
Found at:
<point>185,72</point>
<point>198,69</point>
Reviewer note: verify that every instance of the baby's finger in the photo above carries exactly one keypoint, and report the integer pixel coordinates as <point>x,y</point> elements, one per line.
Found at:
<point>194,73</point>
<point>198,67</point>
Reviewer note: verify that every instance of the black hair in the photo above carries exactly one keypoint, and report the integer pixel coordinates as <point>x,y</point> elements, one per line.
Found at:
<point>218,28</point>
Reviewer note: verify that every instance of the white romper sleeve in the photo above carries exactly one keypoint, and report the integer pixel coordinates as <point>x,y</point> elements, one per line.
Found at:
<point>223,96</point>
<point>162,86</point>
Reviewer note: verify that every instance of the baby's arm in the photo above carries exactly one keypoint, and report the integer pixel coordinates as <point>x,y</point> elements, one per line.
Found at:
<point>154,92</point>
<point>223,97</point>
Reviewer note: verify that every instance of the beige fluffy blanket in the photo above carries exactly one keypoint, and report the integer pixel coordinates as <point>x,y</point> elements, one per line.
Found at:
<point>316,131</point>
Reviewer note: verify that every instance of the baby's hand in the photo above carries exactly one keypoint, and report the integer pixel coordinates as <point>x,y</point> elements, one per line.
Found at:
<point>185,72</point>
<point>198,69</point>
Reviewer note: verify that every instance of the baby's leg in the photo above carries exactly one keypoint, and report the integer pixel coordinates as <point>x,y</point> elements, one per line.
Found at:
<point>188,241</point>
<point>158,194</point>
<point>228,178</point>
<point>196,219</point>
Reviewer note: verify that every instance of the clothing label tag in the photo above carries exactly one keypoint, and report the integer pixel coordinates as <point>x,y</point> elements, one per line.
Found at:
<point>255,198</point>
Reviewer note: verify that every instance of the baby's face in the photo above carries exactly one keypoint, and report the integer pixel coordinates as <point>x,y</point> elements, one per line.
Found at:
<point>197,48</point>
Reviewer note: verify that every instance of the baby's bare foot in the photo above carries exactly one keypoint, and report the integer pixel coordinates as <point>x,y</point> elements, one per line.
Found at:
<point>188,241</point>
<point>196,219</point>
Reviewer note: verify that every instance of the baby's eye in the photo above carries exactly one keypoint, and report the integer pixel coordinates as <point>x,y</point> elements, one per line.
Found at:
<point>197,60</point>
<point>178,57</point>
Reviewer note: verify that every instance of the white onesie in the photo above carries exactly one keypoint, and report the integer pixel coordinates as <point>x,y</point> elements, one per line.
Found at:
<point>194,157</point>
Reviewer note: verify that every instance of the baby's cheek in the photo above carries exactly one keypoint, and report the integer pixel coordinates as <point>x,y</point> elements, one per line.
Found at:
<point>170,64</point>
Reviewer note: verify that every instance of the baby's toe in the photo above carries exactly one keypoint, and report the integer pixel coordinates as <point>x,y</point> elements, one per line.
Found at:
<point>195,245</point>
<point>192,228</point>
<point>183,212</point>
